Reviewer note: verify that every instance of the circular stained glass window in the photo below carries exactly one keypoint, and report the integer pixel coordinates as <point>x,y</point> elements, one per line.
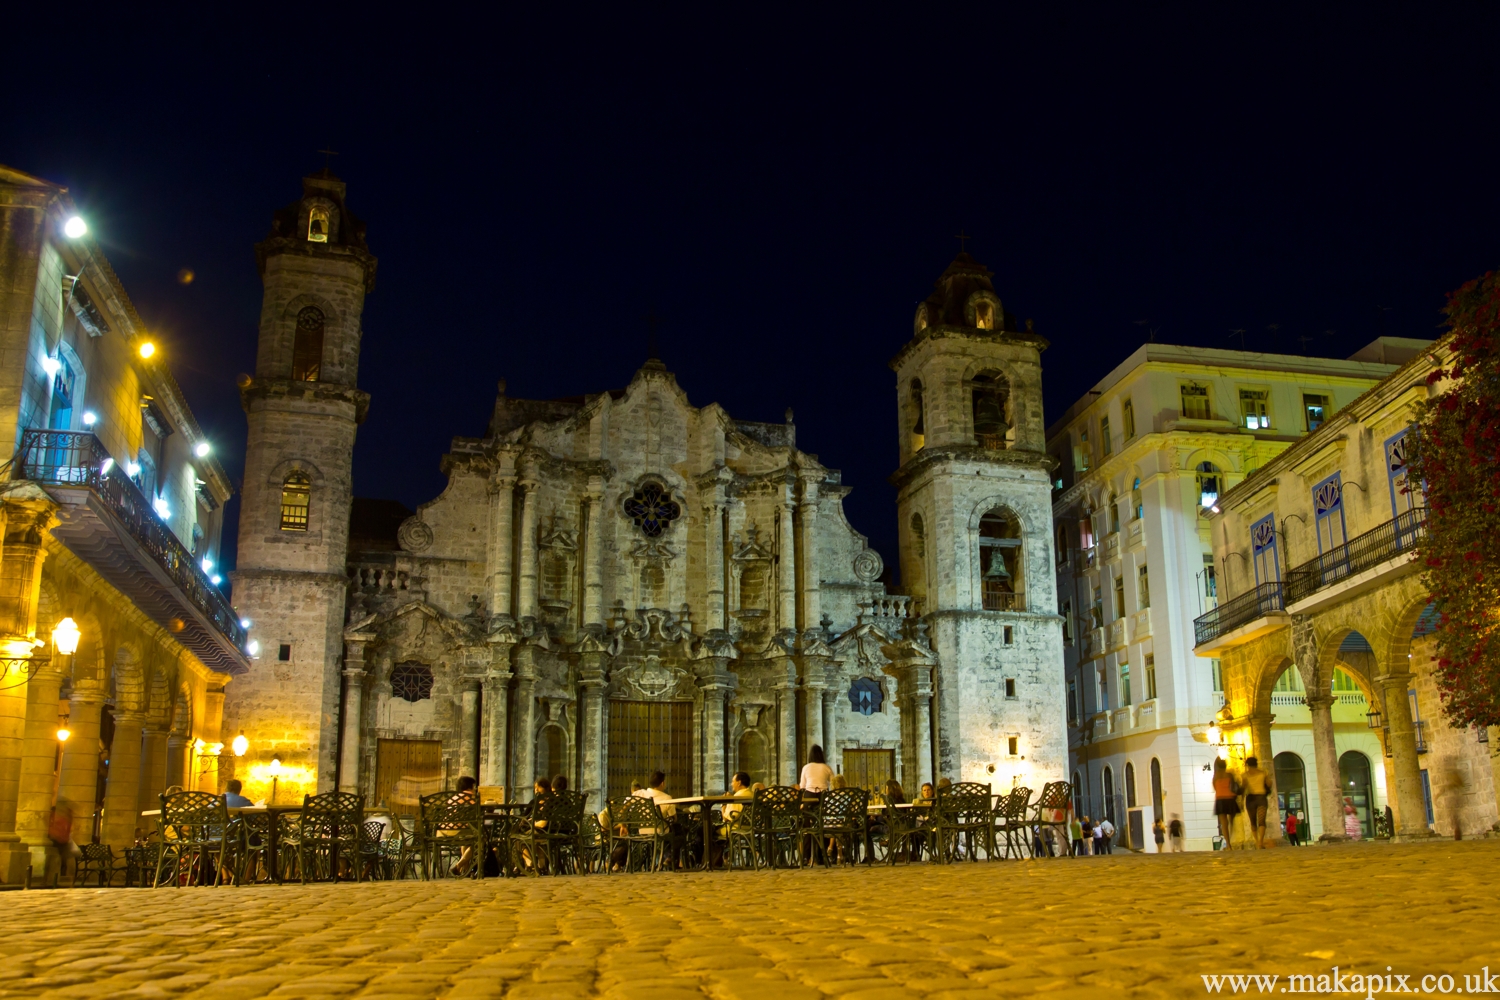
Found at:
<point>411,681</point>
<point>652,509</point>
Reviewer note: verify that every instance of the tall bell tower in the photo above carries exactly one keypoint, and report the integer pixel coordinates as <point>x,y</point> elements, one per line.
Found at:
<point>975,507</point>
<point>303,406</point>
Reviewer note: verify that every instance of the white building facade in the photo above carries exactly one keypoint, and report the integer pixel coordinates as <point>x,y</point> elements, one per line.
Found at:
<point>1140,461</point>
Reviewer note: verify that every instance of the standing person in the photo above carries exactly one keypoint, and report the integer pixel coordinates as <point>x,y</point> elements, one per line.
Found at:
<point>1226,801</point>
<point>1174,832</point>
<point>1291,828</point>
<point>1087,829</point>
<point>1075,834</point>
<point>1099,837</point>
<point>817,776</point>
<point>1257,799</point>
<point>1106,831</point>
<point>1159,834</point>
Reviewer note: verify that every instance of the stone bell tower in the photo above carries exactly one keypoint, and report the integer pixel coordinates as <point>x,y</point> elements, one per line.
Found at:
<point>303,407</point>
<point>975,509</point>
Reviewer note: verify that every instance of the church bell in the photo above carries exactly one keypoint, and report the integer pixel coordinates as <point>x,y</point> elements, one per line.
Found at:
<point>997,570</point>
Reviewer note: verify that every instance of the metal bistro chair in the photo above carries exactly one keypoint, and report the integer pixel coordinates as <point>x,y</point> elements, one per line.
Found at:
<point>97,860</point>
<point>371,849</point>
<point>780,826</point>
<point>843,817</point>
<point>637,823</point>
<point>1050,812</point>
<point>331,829</point>
<point>451,822</point>
<point>1011,814</point>
<point>905,834</point>
<point>959,813</point>
<point>250,843</point>
<point>548,841</point>
<point>194,844</point>
<point>402,850</point>
<point>288,846</point>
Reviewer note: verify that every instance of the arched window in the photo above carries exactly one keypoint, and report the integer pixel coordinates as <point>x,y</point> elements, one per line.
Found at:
<point>918,426</point>
<point>1109,794</point>
<point>1208,484</point>
<point>1000,563</point>
<point>1078,804</point>
<point>991,406</point>
<point>317,225</point>
<point>1156,799</point>
<point>917,585</point>
<point>307,348</point>
<point>551,752</point>
<point>1129,785</point>
<point>296,501</point>
<point>984,315</point>
<point>1137,505</point>
<point>1114,511</point>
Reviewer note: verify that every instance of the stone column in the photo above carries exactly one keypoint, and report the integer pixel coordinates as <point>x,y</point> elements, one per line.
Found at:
<point>807,552</point>
<point>527,572</point>
<point>830,730</point>
<point>153,769</point>
<point>786,579</point>
<point>177,760</point>
<point>495,705</point>
<point>208,729</point>
<point>38,761</point>
<point>1326,761</point>
<point>123,785</point>
<point>593,557</point>
<point>13,691</point>
<point>914,696</point>
<point>354,700</point>
<point>468,745</point>
<point>502,537</point>
<point>1260,749</point>
<point>1408,802</point>
<point>78,782</point>
<point>713,563</point>
<point>786,731</point>
<point>594,782</point>
<point>812,710</point>
<point>523,739</point>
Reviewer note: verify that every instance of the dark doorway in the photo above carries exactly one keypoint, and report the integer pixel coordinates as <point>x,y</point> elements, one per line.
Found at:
<point>645,736</point>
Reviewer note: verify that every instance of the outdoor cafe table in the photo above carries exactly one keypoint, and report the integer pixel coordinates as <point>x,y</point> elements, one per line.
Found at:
<point>705,804</point>
<point>273,844</point>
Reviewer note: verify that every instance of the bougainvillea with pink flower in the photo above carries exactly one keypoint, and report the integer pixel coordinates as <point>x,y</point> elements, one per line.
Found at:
<point>1457,463</point>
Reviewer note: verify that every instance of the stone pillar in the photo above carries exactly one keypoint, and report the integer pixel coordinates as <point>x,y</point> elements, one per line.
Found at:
<point>812,711</point>
<point>177,760</point>
<point>13,690</point>
<point>807,552</point>
<point>123,786</point>
<point>786,732</point>
<point>1326,761</point>
<point>208,729</point>
<point>713,563</point>
<point>830,730</point>
<point>495,706</point>
<point>153,769</point>
<point>594,783</point>
<point>354,700</point>
<point>502,537</point>
<point>1408,802</point>
<point>593,559</point>
<point>786,578</point>
<point>914,696</point>
<point>523,739</point>
<point>1260,749</point>
<point>38,763</point>
<point>527,603</point>
<point>468,745</point>
<point>78,782</point>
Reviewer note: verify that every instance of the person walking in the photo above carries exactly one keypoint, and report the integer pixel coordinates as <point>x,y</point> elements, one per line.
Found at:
<point>1075,834</point>
<point>1088,836</point>
<point>1291,828</point>
<point>1226,801</point>
<point>1257,799</point>
<point>1174,833</point>
<point>1159,834</point>
<point>1106,832</point>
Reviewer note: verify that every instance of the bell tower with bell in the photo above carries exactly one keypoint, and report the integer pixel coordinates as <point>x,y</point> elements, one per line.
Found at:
<point>974,498</point>
<point>303,405</point>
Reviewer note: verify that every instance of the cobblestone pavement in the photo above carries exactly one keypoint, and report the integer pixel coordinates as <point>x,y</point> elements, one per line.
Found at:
<point>1097,927</point>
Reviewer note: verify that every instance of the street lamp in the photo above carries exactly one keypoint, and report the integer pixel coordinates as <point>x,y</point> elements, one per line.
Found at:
<point>65,637</point>
<point>63,732</point>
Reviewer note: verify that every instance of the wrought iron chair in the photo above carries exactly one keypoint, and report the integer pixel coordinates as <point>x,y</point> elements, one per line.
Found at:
<point>194,843</point>
<point>330,829</point>
<point>452,823</point>
<point>779,839</point>
<point>250,846</point>
<point>371,852</point>
<point>843,819</point>
<point>402,850</point>
<point>904,837</point>
<point>548,842</point>
<point>288,846</point>
<point>97,860</point>
<point>961,815</point>
<point>1011,814</point>
<point>638,833</point>
<point>140,863</point>
<point>1050,812</point>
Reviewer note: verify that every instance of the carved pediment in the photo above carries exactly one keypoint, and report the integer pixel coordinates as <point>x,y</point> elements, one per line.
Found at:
<point>651,679</point>
<point>556,535</point>
<point>750,546</point>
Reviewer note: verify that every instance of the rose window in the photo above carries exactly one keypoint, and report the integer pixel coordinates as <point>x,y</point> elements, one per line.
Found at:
<point>652,509</point>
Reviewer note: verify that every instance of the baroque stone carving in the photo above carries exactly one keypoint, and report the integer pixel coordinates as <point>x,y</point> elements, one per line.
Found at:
<point>868,565</point>
<point>414,535</point>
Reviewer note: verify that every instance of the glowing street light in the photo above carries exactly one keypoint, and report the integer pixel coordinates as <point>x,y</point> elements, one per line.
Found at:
<point>74,228</point>
<point>63,732</point>
<point>51,366</point>
<point>162,508</point>
<point>202,448</point>
<point>239,745</point>
<point>65,637</point>
<point>90,418</point>
<point>147,348</point>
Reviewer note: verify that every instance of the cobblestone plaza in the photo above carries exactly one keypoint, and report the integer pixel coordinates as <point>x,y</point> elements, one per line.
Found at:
<point>1124,925</point>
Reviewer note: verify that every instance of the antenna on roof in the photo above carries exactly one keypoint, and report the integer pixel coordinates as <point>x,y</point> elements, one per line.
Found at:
<point>1241,332</point>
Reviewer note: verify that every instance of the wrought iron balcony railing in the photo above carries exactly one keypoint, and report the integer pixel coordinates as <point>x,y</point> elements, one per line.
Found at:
<point>1231,615</point>
<point>1362,552</point>
<point>78,459</point>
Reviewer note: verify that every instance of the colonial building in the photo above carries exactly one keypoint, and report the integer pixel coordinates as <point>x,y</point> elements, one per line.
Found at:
<point>111,515</point>
<point>1142,459</point>
<point>1323,618</point>
<point>621,581</point>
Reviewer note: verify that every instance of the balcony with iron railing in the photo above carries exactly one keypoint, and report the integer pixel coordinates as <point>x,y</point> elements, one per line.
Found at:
<point>107,522</point>
<point>1253,604</point>
<point>1394,538</point>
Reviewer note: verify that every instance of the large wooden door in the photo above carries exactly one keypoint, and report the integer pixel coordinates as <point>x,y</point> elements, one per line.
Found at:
<point>870,769</point>
<point>406,770</point>
<point>645,736</point>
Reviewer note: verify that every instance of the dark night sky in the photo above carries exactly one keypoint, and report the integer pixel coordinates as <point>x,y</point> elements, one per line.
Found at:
<point>781,190</point>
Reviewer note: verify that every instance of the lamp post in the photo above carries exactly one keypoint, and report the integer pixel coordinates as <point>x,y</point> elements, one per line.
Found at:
<point>275,776</point>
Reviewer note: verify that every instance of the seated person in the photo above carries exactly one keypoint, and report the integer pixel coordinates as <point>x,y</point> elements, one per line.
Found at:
<point>677,834</point>
<point>927,795</point>
<point>232,797</point>
<point>466,783</point>
<point>560,783</point>
<point>739,787</point>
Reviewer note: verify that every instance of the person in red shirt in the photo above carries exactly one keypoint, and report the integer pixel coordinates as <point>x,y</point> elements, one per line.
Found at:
<point>1291,828</point>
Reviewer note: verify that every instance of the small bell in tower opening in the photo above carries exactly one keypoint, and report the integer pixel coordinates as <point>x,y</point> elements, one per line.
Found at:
<point>997,570</point>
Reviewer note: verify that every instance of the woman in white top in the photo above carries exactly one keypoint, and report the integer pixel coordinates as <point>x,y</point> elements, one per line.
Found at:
<point>816,774</point>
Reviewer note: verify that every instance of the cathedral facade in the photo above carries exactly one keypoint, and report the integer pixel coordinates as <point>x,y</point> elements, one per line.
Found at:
<point>620,582</point>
